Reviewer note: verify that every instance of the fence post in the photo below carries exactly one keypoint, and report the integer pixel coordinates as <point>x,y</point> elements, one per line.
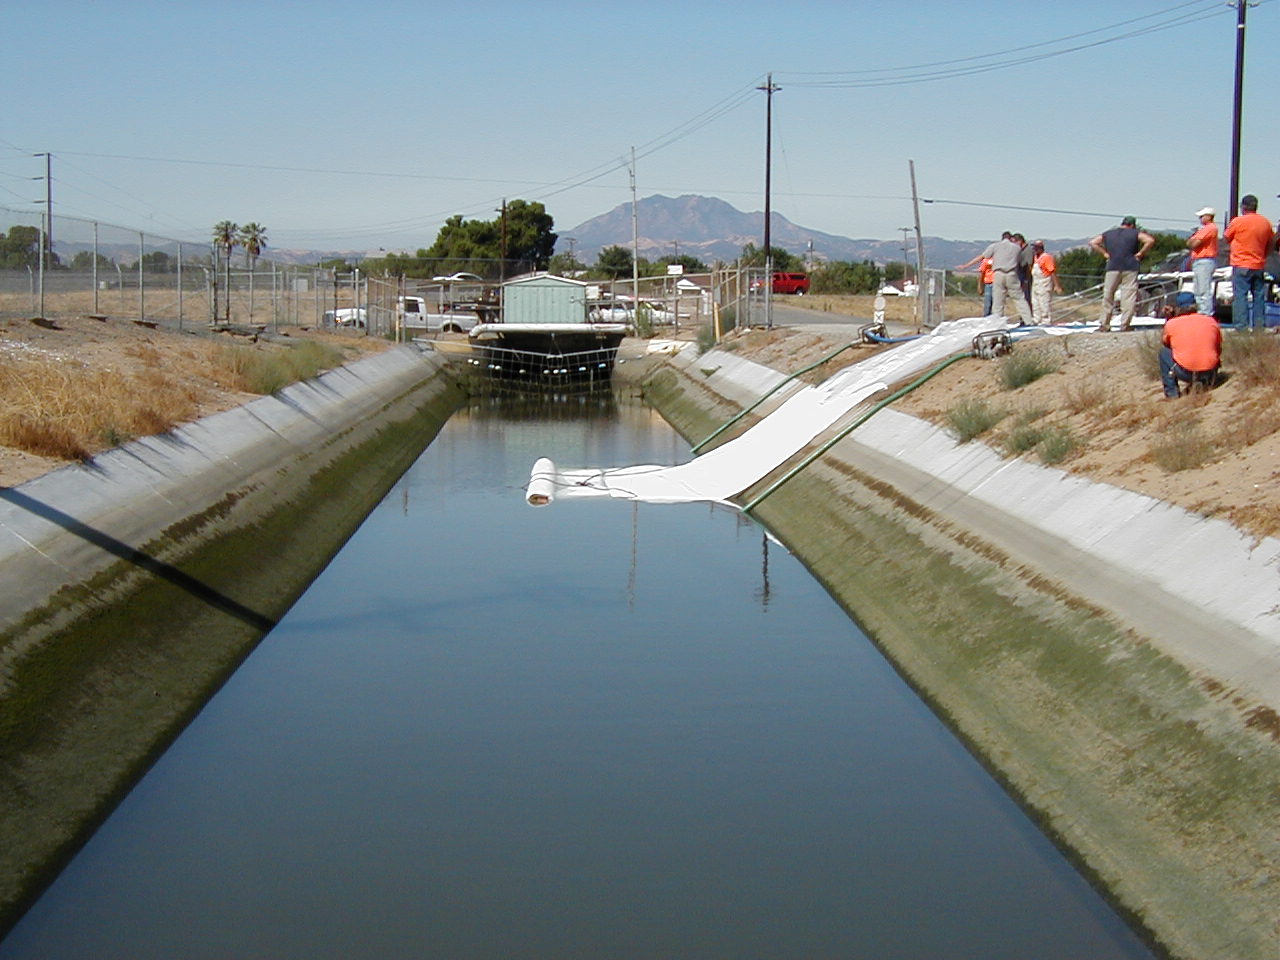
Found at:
<point>95,267</point>
<point>142,248</point>
<point>179,284</point>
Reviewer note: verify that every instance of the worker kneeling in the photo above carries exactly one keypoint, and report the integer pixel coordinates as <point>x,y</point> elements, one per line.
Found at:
<point>1192,348</point>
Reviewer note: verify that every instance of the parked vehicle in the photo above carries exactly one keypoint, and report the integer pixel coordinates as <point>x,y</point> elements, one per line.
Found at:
<point>797,283</point>
<point>350,317</point>
<point>412,314</point>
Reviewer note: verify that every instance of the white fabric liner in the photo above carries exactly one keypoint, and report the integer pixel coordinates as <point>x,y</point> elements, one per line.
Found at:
<point>732,467</point>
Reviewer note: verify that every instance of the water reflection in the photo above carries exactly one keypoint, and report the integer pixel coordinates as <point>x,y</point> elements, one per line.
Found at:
<point>600,730</point>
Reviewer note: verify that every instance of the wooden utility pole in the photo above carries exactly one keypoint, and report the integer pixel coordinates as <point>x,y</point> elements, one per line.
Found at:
<point>769,89</point>
<point>1233,204</point>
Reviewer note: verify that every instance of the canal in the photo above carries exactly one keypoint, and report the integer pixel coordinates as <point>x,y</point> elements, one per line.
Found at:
<point>592,730</point>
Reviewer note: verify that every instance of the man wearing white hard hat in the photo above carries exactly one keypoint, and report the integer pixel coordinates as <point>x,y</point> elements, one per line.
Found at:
<point>1203,245</point>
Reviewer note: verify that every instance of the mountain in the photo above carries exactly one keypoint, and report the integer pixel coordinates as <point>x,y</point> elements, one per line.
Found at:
<point>711,229</point>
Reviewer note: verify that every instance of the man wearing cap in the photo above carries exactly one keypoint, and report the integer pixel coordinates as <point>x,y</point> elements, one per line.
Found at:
<point>1251,238</point>
<point>1044,283</point>
<point>1124,247</point>
<point>1203,245</point>
<point>1192,347</point>
<point>1004,266</point>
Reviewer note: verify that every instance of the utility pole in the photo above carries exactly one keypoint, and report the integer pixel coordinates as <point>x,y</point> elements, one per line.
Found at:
<point>905,231</point>
<point>769,89</point>
<point>635,244</point>
<point>921,293</point>
<point>502,250</point>
<point>1242,7</point>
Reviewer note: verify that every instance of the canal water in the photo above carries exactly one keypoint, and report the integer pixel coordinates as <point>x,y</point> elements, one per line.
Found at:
<point>591,730</point>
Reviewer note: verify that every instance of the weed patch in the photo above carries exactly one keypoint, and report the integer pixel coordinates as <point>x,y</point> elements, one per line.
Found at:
<point>258,371</point>
<point>1253,356</point>
<point>1023,437</point>
<point>1146,354</point>
<point>1019,369</point>
<point>1181,447</point>
<point>1057,444</point>
<point>972,418</point>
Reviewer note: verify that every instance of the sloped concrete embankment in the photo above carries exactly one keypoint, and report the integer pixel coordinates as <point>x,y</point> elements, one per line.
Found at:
<point>135,584</point>
<point>1115,661</point>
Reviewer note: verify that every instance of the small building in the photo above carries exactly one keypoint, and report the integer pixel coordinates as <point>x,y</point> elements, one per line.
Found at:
<point>544,298</point>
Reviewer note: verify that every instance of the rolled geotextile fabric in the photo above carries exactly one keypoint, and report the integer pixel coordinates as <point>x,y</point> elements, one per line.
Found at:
<point>541,483</point>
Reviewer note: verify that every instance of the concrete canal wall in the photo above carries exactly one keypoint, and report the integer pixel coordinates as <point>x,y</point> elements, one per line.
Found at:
<point>1115,661</point>
<point>135,584</point>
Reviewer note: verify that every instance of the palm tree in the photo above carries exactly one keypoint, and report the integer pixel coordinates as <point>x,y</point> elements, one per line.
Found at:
<point>253,237</point>
<point>225,237</point>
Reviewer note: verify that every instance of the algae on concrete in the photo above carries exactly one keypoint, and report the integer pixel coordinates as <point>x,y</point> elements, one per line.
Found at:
<point>1148,777</point>
<point>113,669</point>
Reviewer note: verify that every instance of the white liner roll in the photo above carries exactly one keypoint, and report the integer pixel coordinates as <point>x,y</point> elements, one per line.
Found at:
<point>542,483</point>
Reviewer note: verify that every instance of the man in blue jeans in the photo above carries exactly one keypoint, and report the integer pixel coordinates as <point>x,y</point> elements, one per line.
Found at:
<point>1191,347</point>
<point>1251,238</point>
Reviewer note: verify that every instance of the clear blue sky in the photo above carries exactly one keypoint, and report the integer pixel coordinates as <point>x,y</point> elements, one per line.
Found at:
<point>359,126</point>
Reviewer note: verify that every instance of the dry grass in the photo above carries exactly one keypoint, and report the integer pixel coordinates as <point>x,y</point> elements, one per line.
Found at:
<point>1182,446</point>
<point>68,411</point>
<point>1253,356</point>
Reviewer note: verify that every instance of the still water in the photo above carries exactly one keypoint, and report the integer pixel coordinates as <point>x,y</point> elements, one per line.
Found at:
<point>589,730</point>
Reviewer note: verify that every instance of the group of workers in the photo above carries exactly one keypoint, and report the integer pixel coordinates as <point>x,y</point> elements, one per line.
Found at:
<point>1011,270</point>
<point>1192,340</point>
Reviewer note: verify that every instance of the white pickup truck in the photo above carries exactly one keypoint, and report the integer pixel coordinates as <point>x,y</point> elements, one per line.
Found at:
<point>412,314</point>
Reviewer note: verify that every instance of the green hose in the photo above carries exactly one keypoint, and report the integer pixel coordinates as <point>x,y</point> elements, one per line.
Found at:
<point>742,413</point>
<point>900,392</point>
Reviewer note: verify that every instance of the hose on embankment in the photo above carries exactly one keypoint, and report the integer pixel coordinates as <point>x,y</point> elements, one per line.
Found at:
<point>859,421</point>
<point>776,387</point>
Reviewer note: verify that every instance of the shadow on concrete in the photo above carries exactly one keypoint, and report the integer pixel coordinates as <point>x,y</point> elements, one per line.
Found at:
<point>197,588</point>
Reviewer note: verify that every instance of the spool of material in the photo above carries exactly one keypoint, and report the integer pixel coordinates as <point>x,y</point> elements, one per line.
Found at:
<point>541,483</point>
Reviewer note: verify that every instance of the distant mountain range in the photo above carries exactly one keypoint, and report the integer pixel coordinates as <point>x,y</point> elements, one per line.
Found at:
<point>704,227</point>
<point>711,229</point>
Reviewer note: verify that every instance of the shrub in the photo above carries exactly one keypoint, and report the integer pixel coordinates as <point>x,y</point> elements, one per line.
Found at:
<point>1057,444</point>
<point>1183,447</point>
<point>644,321</point>
<point>1146,354</point>
<point>1019,369</point>
<point>972,418</point>
<point>706,338</point>
<point>1253,356</point>
<point>259,371</point>
<point>1022,438</point>
<point>1092,393</point>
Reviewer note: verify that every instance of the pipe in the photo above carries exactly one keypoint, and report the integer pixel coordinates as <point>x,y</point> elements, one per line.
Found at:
<point>742,413</point>
<point>844,432</point>
<point>876,338</point>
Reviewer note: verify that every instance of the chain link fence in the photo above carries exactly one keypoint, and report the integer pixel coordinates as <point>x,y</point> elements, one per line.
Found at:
<point>78,267</point>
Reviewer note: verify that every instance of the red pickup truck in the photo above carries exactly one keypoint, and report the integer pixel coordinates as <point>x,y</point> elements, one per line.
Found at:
<point>796,283</point>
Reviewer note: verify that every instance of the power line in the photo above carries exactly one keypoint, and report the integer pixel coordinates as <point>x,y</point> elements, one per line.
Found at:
<point>924,73</point>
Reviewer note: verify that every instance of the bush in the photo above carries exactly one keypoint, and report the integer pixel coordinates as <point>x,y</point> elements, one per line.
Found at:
<point>706,338</point>
<point>1254,356</point>
<point>1092,393</point>
<point>1024,437</point>
<point>1019,369</point>
<point>972,418</point>
<point>1057,444</point>
<point>1183,447</point>
<point>644,321</point>
<point>1146,354</point>
<point>257,371</point>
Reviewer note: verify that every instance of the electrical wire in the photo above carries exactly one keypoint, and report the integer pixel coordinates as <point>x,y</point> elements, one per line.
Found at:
<point>969,66</point>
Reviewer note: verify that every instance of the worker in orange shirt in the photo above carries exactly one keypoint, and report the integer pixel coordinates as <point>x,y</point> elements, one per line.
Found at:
<point>986,276</point>
<point>1192,347</point>
<point>1203,245</point>
<point>1251,238</point>
<point>1044,284</point>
